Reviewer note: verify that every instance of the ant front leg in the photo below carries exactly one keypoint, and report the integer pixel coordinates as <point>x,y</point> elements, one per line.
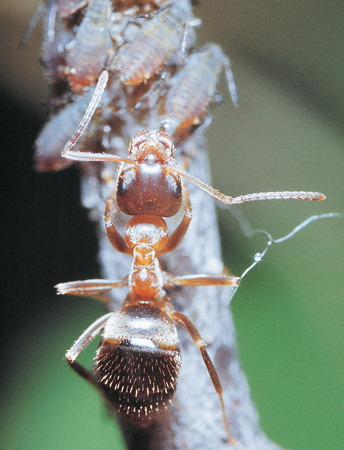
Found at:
<point>116,240</point>
<point>178,235</point>
<point>80,344</point>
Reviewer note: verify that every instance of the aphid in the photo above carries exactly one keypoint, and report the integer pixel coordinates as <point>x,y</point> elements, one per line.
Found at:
<point>69,7</point>
<point>89,50</point>
<point>193,88</point>
<point>55,133</point>
<point>156,45</point>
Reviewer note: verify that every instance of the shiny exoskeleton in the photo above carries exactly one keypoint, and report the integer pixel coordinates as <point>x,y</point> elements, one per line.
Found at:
<point>138,359</point>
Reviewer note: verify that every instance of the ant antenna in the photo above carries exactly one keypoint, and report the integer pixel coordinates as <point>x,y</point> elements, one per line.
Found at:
<point>227,200</point>
<point>98,92</point>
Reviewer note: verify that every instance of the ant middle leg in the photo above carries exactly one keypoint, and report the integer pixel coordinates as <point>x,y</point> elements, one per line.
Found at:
<point>201,280</point>
<point>91,288</point>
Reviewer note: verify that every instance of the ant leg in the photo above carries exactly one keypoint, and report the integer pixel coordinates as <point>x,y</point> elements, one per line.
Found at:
<point>200,280</point>
<point>196,337</point>
<point>116,240</point>
<point>87,336</point>
<point>178,235</point>
<point>91,288</point>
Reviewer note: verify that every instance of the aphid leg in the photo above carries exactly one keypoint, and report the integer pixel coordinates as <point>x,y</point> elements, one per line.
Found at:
<point>90,288</point>
<point>154,90</point>
<point>178,235</point>
<point>87,336</point>
<point>36,17</point>
<point>116,240</point>
<point>51,22</point>
<point>230,80</point>
<point>169,129</point>
<point>190,23</point>
<point>196,337</point>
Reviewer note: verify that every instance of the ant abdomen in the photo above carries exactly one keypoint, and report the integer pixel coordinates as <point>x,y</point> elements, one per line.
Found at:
<point>138,362</point>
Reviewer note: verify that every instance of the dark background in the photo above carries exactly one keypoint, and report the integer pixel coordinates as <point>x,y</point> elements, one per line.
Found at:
<point>287,134</point>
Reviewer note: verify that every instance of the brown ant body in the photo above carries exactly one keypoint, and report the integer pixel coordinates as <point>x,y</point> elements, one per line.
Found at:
<point>138,359</point>
<point>142,333</point>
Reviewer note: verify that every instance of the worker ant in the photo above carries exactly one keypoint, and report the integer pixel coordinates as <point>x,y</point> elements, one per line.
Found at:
<point>142,333</point>
<point>138,359</point>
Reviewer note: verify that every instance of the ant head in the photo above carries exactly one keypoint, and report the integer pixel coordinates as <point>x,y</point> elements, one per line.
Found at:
<point>151,143</point>
<point>146,188</point>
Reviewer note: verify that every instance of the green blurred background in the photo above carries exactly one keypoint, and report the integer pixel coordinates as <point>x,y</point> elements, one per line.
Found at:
<point>287,134</point>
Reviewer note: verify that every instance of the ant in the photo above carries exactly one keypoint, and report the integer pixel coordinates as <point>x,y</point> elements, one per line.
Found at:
<point>142,331</point>
<point>138,359</point>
